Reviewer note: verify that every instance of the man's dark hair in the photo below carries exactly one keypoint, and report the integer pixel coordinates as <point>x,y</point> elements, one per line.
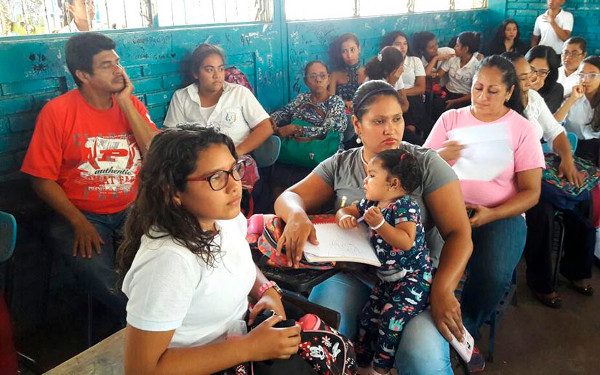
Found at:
<point>82,48</point>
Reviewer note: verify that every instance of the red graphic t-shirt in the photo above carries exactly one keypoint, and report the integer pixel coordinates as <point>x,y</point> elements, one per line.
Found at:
<point>90,153</point>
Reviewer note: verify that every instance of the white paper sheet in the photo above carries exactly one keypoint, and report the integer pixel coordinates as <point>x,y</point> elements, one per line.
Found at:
<point>488,151</point>
<point>337,244</point>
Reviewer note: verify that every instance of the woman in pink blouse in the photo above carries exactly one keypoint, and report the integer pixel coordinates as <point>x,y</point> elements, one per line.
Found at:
<point>496,201</point>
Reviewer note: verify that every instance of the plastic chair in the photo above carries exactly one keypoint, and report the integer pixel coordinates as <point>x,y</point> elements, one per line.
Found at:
<point>8,235</point>
<point>266,154</point>
<point>572,139</point>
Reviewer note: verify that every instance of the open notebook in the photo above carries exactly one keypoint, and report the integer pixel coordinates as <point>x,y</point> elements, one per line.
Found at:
<point>341,245</point>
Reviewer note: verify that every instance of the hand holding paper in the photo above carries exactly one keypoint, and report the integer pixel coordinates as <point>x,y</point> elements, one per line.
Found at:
<point>487,151</point>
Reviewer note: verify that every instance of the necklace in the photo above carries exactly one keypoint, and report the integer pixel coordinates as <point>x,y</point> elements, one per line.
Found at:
<point>362,158</point>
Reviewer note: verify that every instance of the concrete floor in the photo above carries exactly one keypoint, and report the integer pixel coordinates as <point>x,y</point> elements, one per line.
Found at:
<point>535,339</point>
<point>532,338</point>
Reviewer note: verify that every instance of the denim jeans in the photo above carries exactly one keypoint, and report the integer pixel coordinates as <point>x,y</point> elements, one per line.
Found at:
<point>98,274</point>
<point>497,249</point>
<point>422,350</point>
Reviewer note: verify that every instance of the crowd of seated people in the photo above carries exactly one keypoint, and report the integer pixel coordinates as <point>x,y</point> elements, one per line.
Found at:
<point>180,208</point>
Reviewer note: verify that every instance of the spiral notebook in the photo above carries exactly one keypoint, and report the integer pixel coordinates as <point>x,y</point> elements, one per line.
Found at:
<point>341,245</point>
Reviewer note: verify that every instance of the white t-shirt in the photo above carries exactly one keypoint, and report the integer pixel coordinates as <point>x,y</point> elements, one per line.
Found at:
<point>399,84</point>
<point>169,288</point>
<point>441,51</point>
<point>413,68</point>
<point>568,82</point>
<point>72,27</point>
<point>578,119</point>
<point>460,79</point>
<point>538,113</point>
<point>235,114</point>
<point>563,19</point>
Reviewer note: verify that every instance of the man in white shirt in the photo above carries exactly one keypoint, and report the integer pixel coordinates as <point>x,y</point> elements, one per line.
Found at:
<point>553,27</point>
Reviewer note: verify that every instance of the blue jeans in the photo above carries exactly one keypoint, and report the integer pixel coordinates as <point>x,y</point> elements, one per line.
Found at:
<point>98,274</point>
<point>497,249</point>
<point>422,348</point>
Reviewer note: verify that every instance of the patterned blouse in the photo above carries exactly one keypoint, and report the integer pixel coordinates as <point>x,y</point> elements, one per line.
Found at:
<point>334,109</point>
<point>347,90</point>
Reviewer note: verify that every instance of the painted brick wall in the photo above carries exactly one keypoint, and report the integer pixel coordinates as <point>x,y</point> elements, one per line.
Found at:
<point>310,40</point>
<point>32,71</point>
<point>585,12</point>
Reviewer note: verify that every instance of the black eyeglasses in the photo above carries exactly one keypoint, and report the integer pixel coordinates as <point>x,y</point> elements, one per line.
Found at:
<point>219,179</point>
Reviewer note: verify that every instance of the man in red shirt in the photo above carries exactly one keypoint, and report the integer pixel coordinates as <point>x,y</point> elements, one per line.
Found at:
<point>84,159</point>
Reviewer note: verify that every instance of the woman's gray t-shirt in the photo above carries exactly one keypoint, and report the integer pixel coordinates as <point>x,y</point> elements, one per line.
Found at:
<point>345,174</point>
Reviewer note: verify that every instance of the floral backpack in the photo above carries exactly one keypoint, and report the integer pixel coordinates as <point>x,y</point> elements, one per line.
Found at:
<point>264,232</point>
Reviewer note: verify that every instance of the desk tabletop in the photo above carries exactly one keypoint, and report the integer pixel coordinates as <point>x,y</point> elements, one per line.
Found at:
<point>104,358</point>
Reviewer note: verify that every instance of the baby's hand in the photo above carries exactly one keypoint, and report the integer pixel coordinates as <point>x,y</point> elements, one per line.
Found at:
<point>373,216</point>
<point>347,222</point>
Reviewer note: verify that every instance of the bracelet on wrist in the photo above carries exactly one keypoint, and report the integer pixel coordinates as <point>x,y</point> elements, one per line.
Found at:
<point>379,225</point>
<point>345,216</point>
<point>268,285</point>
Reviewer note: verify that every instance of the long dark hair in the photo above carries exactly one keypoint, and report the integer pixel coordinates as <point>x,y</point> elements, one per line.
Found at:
<point>402,165</point>
<point>501,37</point>
<point>420,41</point>
<point>171,159</point>
<point>509,78</point>
<point>548,54</point>
<point>335,57</point>
<point>595,103</point>
<point>390,38</point>
<point>384,64</point>
<point>368,92</point>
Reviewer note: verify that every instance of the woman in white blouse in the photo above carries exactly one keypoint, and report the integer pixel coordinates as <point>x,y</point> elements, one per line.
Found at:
<point>578,241</point>
<point>212,102</point>
<point>413,79</point>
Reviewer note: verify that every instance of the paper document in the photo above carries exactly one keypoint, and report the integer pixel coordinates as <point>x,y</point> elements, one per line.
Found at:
<point>345,245</point>
<point>488,151</point>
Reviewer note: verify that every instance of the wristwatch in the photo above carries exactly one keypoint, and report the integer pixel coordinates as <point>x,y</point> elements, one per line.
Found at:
<point>268,285</point>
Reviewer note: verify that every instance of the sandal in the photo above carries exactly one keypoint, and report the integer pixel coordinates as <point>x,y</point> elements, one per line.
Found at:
<point>549,300</point>
<point>586,290</point>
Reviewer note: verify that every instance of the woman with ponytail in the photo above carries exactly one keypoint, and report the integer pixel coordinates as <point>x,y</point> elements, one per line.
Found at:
<point>496,205</point>
<point>388,66</point>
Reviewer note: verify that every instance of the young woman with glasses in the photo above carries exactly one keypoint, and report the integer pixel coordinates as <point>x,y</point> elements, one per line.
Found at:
<point>578,237</point>
<point>573,53</point>
<point>188,271</point>
<point>544,64</point>
<point>581,111</point>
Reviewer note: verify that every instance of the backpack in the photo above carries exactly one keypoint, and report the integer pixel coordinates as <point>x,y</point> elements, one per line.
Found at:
<point>264,232</point>
<point>322,351</point>
<point>234,75</point>
<point>562,194</point>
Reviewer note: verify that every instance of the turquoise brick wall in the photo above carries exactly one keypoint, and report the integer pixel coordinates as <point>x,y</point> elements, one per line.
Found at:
<point>33,71</point>
<point>585,12</point>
